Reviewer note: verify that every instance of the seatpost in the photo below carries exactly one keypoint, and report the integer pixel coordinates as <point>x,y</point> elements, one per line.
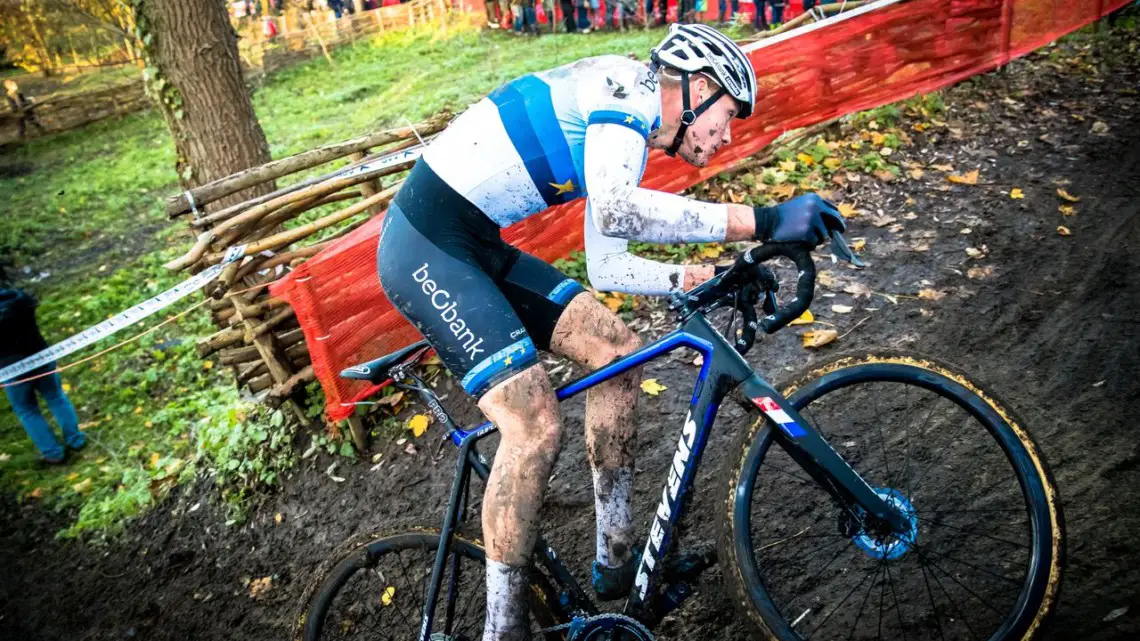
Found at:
<point>404,373</point>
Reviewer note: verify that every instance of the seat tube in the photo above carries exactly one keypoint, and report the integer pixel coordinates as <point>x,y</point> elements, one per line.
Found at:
<point>450,522</point>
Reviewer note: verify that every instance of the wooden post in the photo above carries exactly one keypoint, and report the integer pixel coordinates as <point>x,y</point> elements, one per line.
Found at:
<point>359,436</point>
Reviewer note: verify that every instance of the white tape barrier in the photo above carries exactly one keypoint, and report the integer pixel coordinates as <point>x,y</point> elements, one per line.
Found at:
<point>167,298</point>
<point>121,320</point>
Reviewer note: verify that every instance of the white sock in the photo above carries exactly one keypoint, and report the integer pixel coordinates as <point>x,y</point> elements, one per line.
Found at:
<point>613,490</point>
<point>507,592</point>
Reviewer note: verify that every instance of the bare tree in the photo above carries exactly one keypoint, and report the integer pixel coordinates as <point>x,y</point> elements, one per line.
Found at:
<point>195,76</point>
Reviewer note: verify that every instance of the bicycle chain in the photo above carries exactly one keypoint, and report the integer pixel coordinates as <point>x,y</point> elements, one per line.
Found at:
<point>579,627</point>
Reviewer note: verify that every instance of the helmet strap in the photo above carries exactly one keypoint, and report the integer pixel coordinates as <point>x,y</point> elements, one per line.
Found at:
<point>688,115</point>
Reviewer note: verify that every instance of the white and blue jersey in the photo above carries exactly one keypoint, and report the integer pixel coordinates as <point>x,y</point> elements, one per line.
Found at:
<point>541,140</point>
<point>522,149</point>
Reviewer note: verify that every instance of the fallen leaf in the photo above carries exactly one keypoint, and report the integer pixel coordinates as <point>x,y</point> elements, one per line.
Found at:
<point>1016,193</point>
<point>842,309</point>
<point>919,246</point>
<point>910,215</point>
<point>832,163</point>
<point>979,272</point>
<point>931,294</point>
<point>885,175</point>
<point>614,301</point>
<point>857,290</point>
<point>943,167</point>
<point>917,173</point>
<point>410,448</point>
<point>36,493</point>
<point>154,456</point>
<point>72,476</point>
<point>1064,231</point>
<point>1099,127</point>
<point>858,244</point>
<point>965,230</point>
<point>138,409</point>
<point>5,457</point>
<point>806,318</point>
<point>847,210</point>
<point>652,387</point>
<point>970,178</point>
<point>1067,210</point>
<point>418,424</point>
<point>973,252</point>
<point>819,337</point>
<point>207,364</point>
<point>807,160</point>
<point>277,518</point>
<point>787,190</point>
<point>712,250</point>
<point>387,596</point>
<point>1067,196</point>
<point>787,165</point>
<point>259,587</point>
<point>82,486</point>
<point>67,387</point>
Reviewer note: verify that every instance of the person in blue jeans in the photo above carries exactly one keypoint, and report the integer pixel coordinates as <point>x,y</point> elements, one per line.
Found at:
<point>735,10</point>
<point>19,338</point>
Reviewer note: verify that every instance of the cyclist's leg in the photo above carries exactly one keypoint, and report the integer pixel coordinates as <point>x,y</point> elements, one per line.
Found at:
<point>592,335</point>
<point>565,319</point>
<point>445,292</point>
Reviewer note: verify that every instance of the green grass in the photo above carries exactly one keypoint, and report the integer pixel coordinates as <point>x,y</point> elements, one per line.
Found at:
<point>85,207</point>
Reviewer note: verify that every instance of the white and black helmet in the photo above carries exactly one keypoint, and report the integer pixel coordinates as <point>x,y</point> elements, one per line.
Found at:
<point>698,47</point>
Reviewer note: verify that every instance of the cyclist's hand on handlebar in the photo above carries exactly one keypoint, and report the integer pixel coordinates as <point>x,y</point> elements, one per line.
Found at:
<point>807,219</point>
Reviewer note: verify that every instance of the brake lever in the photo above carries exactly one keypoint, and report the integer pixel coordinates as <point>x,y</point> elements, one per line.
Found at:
<point>840,249</point>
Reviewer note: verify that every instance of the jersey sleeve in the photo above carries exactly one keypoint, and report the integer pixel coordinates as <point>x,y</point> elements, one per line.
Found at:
<point>622,113</point>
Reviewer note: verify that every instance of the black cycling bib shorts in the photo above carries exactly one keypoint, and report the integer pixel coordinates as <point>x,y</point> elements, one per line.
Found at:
<point>485,306</point>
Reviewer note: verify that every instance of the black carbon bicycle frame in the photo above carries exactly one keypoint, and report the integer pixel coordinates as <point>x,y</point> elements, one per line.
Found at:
<point>722,371</point>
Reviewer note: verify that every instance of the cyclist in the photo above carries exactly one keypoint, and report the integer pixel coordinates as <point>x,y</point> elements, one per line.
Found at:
<point>583,129</point>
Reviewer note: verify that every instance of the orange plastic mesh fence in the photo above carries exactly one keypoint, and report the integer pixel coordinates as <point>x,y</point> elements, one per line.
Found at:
<point>880,57</point>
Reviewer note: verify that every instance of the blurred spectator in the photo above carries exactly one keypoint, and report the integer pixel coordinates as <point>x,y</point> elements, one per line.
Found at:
<point>760,20</point>
<point>19,338</point>
<point>735,10</point>
<point>20,105</point>
<point>587,14</point>
<point>662,12</point>
<point>568,20</point>
<point>622,14</point>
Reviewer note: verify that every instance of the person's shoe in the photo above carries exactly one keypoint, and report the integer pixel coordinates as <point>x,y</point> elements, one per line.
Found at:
<point>615,583</point>
<point>53,461</point>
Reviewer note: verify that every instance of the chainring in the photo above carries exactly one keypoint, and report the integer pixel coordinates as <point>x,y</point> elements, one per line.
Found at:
<point>608,627</point>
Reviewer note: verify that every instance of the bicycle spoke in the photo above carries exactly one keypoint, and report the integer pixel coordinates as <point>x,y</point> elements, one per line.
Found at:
<point>882,586</point>
<point>933,608</point>
<point>815,551</point>
<point>967,531</point>
<point>968,590</point>
<point>399,602</point>
<point>844,600</point>
<point>895,598</point>
<point>822,570</point>
<point>883,442</point>
<point>943,555</point>
<point>921,435</point>
<point>954,604</point>
<point>859,614</point>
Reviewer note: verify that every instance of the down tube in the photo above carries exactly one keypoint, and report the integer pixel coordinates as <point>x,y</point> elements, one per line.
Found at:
<point>686,460</point>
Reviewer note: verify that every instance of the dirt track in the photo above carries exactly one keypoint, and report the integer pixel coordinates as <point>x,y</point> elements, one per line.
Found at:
<point>1053,330</point>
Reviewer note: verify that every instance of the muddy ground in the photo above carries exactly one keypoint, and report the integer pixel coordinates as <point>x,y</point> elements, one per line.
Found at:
<point>1050,322</point>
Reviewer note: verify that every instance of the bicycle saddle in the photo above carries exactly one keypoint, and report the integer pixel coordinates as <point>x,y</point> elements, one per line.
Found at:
<point>376,371</point>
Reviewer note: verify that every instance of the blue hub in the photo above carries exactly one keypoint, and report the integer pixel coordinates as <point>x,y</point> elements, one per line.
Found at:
<point>894,546</point>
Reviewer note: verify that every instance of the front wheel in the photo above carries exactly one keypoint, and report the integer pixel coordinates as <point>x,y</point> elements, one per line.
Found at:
<point>982,559</point>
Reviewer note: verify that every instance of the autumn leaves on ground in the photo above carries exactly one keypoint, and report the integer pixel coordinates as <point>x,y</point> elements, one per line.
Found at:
<point>999,222</point>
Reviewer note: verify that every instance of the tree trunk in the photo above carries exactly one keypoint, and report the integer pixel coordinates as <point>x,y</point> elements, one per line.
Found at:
<point>194,74</point>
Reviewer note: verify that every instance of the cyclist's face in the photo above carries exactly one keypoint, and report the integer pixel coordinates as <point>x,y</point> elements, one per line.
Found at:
<point>711,131</point>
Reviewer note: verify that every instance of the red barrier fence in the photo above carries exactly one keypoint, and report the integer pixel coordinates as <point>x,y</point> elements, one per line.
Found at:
<point>882,55</point>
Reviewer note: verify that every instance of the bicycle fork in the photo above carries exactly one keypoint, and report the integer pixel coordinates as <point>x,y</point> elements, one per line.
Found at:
<point>816,456</point>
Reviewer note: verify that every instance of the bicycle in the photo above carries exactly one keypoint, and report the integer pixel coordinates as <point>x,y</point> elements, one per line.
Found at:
<point>814,507</point>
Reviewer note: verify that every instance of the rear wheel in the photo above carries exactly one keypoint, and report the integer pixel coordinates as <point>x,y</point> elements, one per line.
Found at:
<point>377,592</point>
<point>982,559</point>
